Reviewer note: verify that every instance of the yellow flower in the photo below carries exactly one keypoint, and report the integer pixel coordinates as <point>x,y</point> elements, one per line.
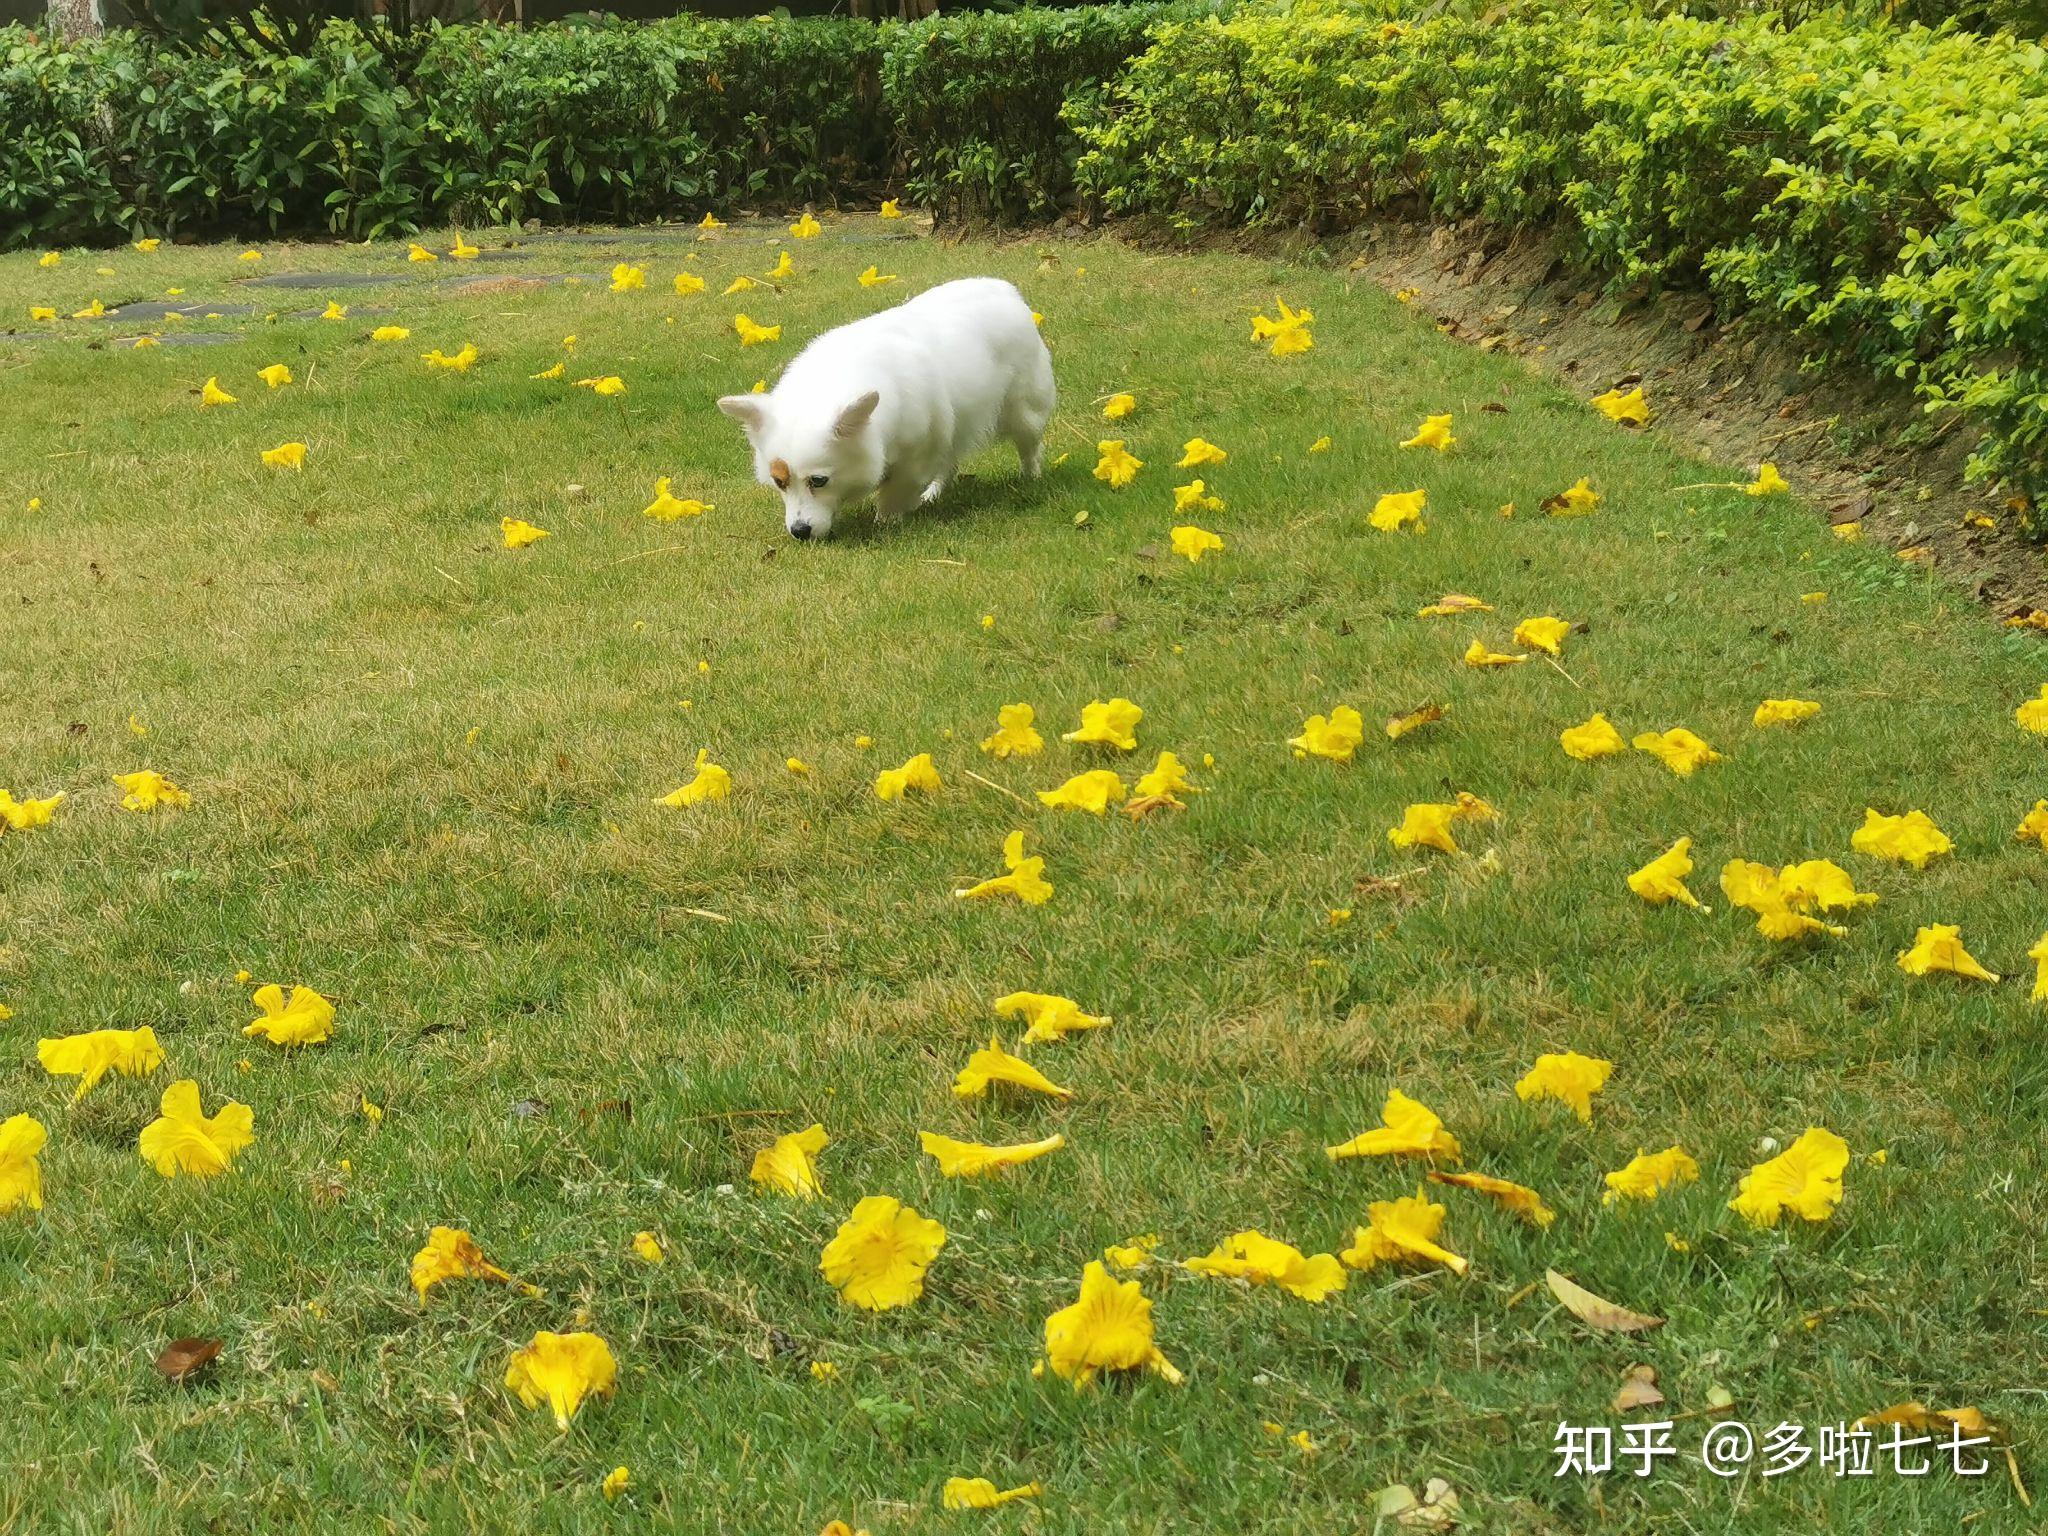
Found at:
<point>460,362</point>
<point>250,256</point>
<point>1663,878</point>
<point>889,210</point>
<point>1909,839</point>
<point>2033,827</point>
<point>1477,655</point>
<point>1194,497</point>
<point>1111,723</point>
<point>2033,715</point>
<point>626,278</point>
<point>796,765</point>
<point>555,372</point>
<point>41,312</point>
<point>277,375</point>
<point>146,789</point>
<point>91,311</point>
<point>1848,533</point>
<point>1939,947</point>
<point>1320,445</point>
<point>1519,1198</point>
<point>711,783</point>
<point>688,283</point>
<point>1452,604</point>
<point>2039,955</point>
<point>1568,1077</point>
<point>1402,1231</point>
<point>1049,1016</point>
<point>1198,451</point>
<point>980,1493</point>
<point>1429,825</point>
<point>1025,880</point>
<point>1014,735</point>
<point>806,228</point>
<point>992,1064</point>
<point>418,252</point>
<point>1435,432</point>
<point>518,533</point>
<point>784,267</point>
<point>1805,1179</point>
<point>1596,738</point>
<point>789,1164</point>
<point>334,311</point>
<point>1289,334</point>
<point>306,1020</point>
<point>21,815</point>
<point>1767,481</point>
<point>1335,737</point>
<point>1115,408</point>
<point>22,1138</point>
<point>1628,409</point>
<point>739,284</point>
<point>1265,1260</point>
<point>648,1247</point>
<point>609,384</point>
<point>561,1370</point>
<point>91,1056</point>
<point>1677,749</point>
<point>751,335</point>
<point>145,341</point>
<point>49,259</point>
<point>285,456</point>
<point>452,1254</point>
<point>1649,1174</point>
<point>917,773</point>
<point>710,221</point>
<point>1780,898</point>
<point>1091,791</point>
<point>666,508</point>
<point>1396,509</point>
<point>390,333</point>
<point>1784,712</point>
<point>1406,1129</point>
<point>1575,500</point>
<point>1134,1255</point>
<point>1542,634</point>
<point>875,277</point>
<point>210,393</point>
<point>879,1257</point>
<point>1117,468</point>
<point>187,1141</point>
<point>615,1482</point>
<point>970,1159</point>
<point>824,1370</point>
<point>1108,1328</point>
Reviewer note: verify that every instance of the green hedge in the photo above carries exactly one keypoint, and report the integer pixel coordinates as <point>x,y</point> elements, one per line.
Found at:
<point>1881,190</point>
<point>118,136</point>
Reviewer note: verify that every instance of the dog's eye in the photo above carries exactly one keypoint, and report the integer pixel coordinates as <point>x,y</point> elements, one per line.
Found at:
<point>817,482</point>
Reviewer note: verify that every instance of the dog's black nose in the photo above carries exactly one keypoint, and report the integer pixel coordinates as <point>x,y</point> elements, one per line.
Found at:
<point>800,530</point>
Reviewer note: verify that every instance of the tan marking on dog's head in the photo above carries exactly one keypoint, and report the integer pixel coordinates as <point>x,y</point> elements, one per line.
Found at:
<point>778,471</point>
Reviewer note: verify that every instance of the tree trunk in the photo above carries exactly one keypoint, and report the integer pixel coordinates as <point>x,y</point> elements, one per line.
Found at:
<point>76,18</point>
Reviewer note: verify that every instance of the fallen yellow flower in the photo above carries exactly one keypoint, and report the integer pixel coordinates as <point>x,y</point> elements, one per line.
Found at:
<point>1108,1328</point>
<point>2033,827</point>
<point>992,1064</point>
<point>561,1370</point>
<point>1543,634</point>
<point>276,376</point>
<point>1194,497</point>
<point>2033,714</point>
<point>307,1019</point>
<point>784,267</point>
<point>878,1258</point>
<point>1109,723</point>
<point>285,456</point>
<point>1199,451</point>
<point>1677,749</point>
<point>1663,878</point>
<point>91,1056</point>
<point>1767,482</point>
<point>1627,409</point>
<point>1406,1129</point>
<point>1649,1174</point>
<point>1805,1179</point>
<point>186,1140</point>
<point>517,532</point>
<point>980,1493</point>
<point>789,1164</point>
<point>917,773</point>
<point>1595,738</point>
<point>1784,712</point>
<point>1429,825</point>
<point>874,277</point>
<point>1025,880</point>
<point>1477,655</point>
<point>1396,509</point>
<point>806,228</point>
<point>1336,737</point>
<point>1452,604</point>
<point>21,815</point>
<point>145,790</point>
<point>1267,1261</point>
<point>1115,408</point>
<point>22,1139</point>
<point>1402,1231</point>
<point>711,783</point>
<point>666,508</point>
<point>1193,542</point>
<point>1568,1077</point>
<point>1519,1198</point>
<point>417,252</point>
<point>1939,947</point>
<point>1435,432</point>
<point>1092,791</point>
<point>452,1254</point>
<point>970,1159</point>
<point>460,362</point>
<point>1909,839</point>
<point>1116,466</point>
<point>210,393</point>
<point>390,333</point>
<point>687,283</point>
<point>1014,734</point>
<point>626,277</point>
<point>889,210</point>
<point>1575,500</point>
<point>1049,1016</point>
<point>609,384</point>
<point>1289,334</point>
<point>751,334</point>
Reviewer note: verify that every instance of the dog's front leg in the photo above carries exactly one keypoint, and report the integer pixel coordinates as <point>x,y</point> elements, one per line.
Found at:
<point>896,495</point>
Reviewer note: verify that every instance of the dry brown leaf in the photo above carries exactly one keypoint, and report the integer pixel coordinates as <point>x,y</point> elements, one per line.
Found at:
<point>183,1358</point>
<point>1139,806</point>
<point>1422,714</point>
<point>1638,1389</point>
<point>1595,1311</point>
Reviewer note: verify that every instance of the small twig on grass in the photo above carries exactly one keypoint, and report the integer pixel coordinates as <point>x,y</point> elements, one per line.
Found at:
<point>936,560</point>
<point>1564,674</point>
<point>716,917</point>
<point>451,579</point>
<point>999,789</point>
<point>666,549</point>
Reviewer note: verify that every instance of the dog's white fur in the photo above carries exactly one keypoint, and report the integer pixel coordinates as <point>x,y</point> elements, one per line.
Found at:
<point>890,406</point>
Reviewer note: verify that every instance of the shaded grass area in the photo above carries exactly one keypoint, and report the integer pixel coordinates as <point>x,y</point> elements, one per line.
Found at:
<point>423,771</point>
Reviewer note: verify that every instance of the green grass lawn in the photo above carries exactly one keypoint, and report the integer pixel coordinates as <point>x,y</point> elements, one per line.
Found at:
<point>423,771</point>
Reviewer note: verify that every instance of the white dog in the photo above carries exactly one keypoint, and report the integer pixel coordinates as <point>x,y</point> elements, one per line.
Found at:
<point>890,406</point>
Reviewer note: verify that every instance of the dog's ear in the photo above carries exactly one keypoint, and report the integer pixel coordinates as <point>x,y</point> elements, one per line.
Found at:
<point>856,415</point>
<point>750,411</point>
